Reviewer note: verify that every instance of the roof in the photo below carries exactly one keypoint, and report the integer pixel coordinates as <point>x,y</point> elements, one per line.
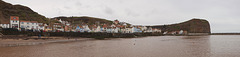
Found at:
<point>105,26</point>
<point>34,22</point>
<point>14,18</point>
<point>24,21</point>
<point>5,23</point>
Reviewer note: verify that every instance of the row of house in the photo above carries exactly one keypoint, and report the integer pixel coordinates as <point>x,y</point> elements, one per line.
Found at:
<point>65,26</point>
<point>15,22</point>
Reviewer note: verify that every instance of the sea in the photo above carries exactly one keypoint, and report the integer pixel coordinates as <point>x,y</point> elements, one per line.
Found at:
<point>151,46</point>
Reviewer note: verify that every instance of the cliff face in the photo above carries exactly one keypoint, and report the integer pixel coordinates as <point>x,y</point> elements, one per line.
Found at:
<point>192,26</point>
<point>25,13</point>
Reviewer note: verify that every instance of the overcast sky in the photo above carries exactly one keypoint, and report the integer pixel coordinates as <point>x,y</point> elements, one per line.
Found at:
<point>223,15</point>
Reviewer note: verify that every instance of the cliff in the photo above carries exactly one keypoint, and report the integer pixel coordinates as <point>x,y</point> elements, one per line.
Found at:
<point>192,26</point>
<point>24,13</point>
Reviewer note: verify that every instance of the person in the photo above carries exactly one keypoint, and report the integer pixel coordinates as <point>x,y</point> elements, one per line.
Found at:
<point>39,36</point>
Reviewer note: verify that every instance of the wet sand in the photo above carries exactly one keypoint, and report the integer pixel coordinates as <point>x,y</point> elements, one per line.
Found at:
<point>12,42</point>
<point>157,46</point>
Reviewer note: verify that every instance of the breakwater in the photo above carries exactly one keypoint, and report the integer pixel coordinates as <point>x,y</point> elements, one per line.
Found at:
<point>225,33</point>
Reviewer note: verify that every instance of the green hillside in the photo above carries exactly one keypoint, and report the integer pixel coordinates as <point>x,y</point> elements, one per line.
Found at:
<point>24,13</point>
<point>85,20</point>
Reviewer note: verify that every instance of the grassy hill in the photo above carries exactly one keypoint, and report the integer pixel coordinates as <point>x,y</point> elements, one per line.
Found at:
<point>85,19</point>
<point>192,26</point>
<point>24,13</point>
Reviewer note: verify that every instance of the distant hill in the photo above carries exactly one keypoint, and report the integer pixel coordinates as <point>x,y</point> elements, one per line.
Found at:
<point>192,26</point>
<point>24,13</point>
<point>85,20</point>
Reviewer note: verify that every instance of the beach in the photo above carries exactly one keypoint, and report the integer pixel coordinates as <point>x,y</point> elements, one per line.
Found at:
<point>151,46</point>
<point>34,40</point>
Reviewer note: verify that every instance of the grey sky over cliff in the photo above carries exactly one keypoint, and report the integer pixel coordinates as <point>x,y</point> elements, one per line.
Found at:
<point>223,15</point>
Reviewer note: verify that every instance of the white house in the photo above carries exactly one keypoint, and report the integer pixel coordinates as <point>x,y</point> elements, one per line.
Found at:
<point>29,25</point>
<point>108,30</point>
<point>25,25</point>
<point>86,28</point>
<point>128,30</point>
<point>136,29</point>
<point>58,27</point>
<point>98,29</point>
<point>5,25</point>
<point>35,25</point>
<point>41,26</point>
<point>149,29</point>
<point>14,22</point>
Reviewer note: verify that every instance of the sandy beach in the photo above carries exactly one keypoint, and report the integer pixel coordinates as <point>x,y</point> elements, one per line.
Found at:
<point>34,40</point>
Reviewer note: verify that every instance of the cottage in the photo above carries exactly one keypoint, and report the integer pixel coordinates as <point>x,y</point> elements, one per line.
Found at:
<point>149,29</point>
<point>79,29</point>
<point>136,29</point>
<point>41,26</point>
<point>48,29</point>
<point>58,27</point>
<point>5,25</point>
<point>14,22</point>
<point>156,30</point>
<point>29,25</point>
<point>128,30</point>
<point>86,28</point>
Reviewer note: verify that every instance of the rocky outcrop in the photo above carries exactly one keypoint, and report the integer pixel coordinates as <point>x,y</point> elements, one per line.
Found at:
<point>191,26</point>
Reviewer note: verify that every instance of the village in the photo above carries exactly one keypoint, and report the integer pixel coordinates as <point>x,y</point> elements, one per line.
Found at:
<point>65,26</point>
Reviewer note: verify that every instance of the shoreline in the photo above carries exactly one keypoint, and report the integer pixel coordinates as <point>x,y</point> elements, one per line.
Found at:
<point>16,40</point>
<point>22,42</point>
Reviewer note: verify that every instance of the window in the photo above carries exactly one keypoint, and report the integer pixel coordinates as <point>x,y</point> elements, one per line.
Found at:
<point>22,22</point>
<point>32,23</point>
<point>22,26</point>
<point>27,22</point>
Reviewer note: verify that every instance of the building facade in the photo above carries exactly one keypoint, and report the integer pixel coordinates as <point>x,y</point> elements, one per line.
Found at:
<point>5,25</point>
<point>14,22</point>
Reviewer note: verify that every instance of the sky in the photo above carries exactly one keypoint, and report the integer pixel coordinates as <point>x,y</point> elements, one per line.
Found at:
<point>223,15</point>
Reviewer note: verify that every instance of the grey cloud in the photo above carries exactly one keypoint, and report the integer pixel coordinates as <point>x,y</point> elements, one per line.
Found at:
<point>131,13</point>
<point>78,4</point>
<point>66,7</point>
<point>108,10</point>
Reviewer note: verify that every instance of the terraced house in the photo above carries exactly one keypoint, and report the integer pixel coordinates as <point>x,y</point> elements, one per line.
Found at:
<point>29,25</point>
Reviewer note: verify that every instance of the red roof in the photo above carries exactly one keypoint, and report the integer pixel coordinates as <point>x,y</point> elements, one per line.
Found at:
<point>14,18</point>
<point>105,26</point>
<point>34,22</point>
<point>119,26</point>
<point>24,21</point>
